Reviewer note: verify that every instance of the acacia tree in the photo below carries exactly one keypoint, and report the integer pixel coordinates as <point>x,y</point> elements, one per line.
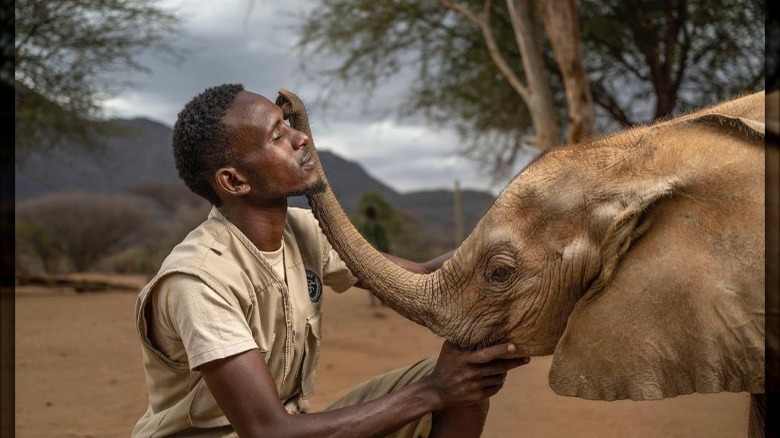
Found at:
<point>672,54</point>
<point>85,227</point>
<point>703,50</point>
<point>67,56</point>
<point>482,66</point>
<point>561,24</point>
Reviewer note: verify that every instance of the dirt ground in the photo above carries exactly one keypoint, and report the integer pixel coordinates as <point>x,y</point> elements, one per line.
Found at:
<point>79,374</point>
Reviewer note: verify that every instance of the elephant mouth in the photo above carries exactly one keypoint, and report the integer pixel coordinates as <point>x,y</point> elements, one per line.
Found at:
<point>495,335</point>
<point>484,343</point>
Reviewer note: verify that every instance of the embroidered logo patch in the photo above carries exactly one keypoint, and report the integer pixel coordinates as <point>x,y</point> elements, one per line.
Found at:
<point>315,286</point>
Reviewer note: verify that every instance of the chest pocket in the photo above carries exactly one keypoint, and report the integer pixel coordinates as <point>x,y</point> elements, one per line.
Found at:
<point>311,354</point>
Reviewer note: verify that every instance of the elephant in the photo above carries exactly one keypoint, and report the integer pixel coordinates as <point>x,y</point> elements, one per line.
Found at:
<point>636,259</point>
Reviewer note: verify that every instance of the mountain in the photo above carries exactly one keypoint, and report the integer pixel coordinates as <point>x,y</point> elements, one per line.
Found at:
<point>141,156</point>
<point>144,159</point>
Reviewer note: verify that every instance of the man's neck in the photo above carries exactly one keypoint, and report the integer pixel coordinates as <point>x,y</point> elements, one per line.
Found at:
<point>264,226</point>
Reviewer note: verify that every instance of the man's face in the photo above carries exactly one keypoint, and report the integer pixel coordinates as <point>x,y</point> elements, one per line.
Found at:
<point>271,155</point>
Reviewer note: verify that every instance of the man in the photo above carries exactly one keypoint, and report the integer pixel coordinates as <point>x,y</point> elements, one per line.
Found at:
<point>230,326</point>
<point>375,234</point>
<point>373,231</point>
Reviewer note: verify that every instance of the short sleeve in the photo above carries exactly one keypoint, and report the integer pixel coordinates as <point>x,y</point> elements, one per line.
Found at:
<point>207,325</point>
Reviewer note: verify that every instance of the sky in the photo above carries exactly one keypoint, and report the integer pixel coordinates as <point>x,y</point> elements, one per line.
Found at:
<point>241,41</point>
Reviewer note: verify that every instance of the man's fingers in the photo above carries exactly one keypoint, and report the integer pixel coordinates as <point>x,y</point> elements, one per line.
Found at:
<point>490,391</point>
<point>492,380</point>
<point>501,366</point>
<point>492,353</point>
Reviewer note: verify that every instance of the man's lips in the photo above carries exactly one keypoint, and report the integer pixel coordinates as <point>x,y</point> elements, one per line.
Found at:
<point>307,160</point>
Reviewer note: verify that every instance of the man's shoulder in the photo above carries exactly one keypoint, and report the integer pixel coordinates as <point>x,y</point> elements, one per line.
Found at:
<point>210,237</point>
<point>302,221</point>
<point>300,214</point>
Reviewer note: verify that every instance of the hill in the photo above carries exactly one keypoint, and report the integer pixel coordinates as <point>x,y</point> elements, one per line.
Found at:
<point>128,163</point>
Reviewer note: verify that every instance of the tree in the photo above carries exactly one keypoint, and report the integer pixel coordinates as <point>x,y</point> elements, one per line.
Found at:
<point>676,53</point>
<point>560,21</point>
<point>386,214</point>
<point>67,56</point>
<point>470,66</point>
<point>84,227</point>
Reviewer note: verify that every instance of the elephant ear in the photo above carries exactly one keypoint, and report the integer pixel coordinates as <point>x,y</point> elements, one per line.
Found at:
<point>733,125</point>
<point>678,306</point>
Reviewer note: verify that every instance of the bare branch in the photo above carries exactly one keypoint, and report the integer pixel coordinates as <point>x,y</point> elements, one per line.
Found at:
<point>490,42</point>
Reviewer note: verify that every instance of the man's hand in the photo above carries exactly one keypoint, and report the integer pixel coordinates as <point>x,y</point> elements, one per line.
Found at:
<point>466,377</point>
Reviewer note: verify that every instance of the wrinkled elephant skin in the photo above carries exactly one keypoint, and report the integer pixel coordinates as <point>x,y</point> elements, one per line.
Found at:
<point>637,259</point>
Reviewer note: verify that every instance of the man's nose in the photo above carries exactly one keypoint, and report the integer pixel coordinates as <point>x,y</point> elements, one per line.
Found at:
<point>300,139</point>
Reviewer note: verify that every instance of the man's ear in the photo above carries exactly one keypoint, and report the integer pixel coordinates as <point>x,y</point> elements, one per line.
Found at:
<point>231,182</point>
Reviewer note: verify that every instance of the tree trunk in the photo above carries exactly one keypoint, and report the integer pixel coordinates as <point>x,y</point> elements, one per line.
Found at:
<point>540,102</point>
<point>561,22</point>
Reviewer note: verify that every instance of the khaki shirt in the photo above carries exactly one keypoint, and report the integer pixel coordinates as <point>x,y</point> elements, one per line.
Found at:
<point>216,296</point>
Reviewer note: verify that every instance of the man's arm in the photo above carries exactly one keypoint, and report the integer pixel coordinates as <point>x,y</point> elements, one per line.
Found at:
<point>245,391</point>
<point>420,268</point>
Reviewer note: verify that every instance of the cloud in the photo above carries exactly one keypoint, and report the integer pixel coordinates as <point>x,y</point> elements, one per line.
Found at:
<point>406,157</point>
<point>250,42</point>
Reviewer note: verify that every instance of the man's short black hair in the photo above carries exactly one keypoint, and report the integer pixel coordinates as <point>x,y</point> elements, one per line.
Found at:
<point>201,142</point>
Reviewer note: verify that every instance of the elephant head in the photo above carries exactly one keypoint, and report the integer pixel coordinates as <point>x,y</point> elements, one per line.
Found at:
<point>636,258</point>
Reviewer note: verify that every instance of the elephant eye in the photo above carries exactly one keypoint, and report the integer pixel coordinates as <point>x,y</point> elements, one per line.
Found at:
<point>501,269</point>
<point>500,275</point>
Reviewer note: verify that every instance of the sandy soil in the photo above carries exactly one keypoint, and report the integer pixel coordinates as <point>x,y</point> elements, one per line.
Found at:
<point>79,374</point>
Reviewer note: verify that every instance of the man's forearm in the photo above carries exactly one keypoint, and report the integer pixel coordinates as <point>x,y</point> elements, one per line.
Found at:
<point>421,268</point>
<point>378,417</point>
<point>436,263</point>
<point>246,392</point>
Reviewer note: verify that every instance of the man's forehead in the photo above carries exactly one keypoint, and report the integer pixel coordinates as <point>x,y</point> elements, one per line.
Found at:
<point>247,97</point>
<point>250,107</point>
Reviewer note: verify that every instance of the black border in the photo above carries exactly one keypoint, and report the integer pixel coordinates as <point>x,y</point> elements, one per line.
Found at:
<point>7,317</point>
<point>772,58</point>
<point>7,173</point>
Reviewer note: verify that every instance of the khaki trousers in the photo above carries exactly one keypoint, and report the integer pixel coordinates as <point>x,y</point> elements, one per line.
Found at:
<point>387,383</point>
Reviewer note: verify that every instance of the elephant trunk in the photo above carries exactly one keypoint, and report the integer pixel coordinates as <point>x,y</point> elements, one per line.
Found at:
<point>414,296</point>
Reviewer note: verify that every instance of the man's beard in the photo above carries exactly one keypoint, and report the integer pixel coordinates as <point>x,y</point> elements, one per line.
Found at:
<point>318,186</point>
<point>313,189</point>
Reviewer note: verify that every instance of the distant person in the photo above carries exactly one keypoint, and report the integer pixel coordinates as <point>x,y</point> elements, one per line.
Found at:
<point>230,325</point>
<point>375,234</point>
